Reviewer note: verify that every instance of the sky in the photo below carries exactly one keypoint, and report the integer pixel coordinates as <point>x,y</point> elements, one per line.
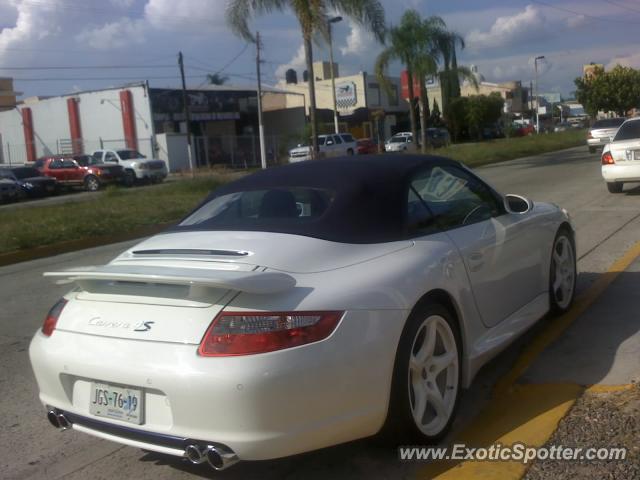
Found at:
<point>106,38</point>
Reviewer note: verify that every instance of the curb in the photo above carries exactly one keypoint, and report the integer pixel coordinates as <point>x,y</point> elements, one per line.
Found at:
<point>72,245</point>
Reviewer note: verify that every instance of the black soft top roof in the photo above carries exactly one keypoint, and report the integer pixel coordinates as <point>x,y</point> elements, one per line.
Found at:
<point>370,199</point>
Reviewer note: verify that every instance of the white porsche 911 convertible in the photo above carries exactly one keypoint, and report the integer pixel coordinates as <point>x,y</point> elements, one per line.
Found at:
<point>301,307</point>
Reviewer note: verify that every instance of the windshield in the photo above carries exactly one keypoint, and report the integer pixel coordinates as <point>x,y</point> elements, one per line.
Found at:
<point>129,154</point>
<point>86,160</point>
<point>261,207</point>
<point>26,172</point>
<point>628,131</point>
<point>608,123</point>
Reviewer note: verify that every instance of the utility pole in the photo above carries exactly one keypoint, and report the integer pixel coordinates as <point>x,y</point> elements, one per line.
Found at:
<point>535,61</point>
<point>333,75</point>
<point>263,155</point>
<point>187,116</point>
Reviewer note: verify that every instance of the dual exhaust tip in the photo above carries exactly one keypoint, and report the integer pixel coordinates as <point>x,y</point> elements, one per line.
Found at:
<point>58,420</point>
<point>219,458</point>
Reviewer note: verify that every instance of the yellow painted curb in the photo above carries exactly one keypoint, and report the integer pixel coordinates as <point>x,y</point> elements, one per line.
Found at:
<point>609,388</point>
<point>527,413</point>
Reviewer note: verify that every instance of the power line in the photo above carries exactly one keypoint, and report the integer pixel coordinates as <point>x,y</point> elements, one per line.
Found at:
<point>89,67</point>
<point>586,15</point>
<point>619,5</point>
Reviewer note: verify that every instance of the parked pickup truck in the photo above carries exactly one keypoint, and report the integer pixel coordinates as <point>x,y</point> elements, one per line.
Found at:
<point>136,166</point>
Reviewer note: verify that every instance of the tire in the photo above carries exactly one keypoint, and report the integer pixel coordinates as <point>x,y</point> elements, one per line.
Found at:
<point>592,149</point>
<point>91,183</point>
<point>129,178</point>
<point>350,151</point>
<point>615,187</point>
<point>563,272</point>
<point>412,416</point>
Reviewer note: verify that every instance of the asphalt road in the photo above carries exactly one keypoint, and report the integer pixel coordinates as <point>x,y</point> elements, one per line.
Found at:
<point>607,226</point>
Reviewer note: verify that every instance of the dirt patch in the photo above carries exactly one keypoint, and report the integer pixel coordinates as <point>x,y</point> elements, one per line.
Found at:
<point>610,419</point>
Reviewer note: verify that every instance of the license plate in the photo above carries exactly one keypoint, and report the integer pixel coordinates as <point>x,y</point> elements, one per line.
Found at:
<point>635,155</point>
<point>119,403</point>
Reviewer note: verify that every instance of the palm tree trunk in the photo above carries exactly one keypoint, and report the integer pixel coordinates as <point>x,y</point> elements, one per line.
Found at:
<point>424,115</point>
<point>308,53</point>
<point>412,110</point>
<point>455,80</point>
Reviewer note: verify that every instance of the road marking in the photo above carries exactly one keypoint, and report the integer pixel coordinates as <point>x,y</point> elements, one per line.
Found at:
<point>527,413</point>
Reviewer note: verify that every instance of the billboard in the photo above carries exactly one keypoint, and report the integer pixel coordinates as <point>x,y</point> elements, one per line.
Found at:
<point>346,95</point>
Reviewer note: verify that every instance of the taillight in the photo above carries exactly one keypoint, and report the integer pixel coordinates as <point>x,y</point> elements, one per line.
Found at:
<point>246,333</point>
<point>52,317</point>
<point>607,159</point>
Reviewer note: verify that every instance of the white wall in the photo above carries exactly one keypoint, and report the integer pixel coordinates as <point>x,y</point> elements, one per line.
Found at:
<point>100,118</point>
<point>172,148</point>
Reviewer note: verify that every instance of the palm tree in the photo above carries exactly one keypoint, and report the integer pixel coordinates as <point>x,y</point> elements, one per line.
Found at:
<point>216,79</point>
<point>312,16</point>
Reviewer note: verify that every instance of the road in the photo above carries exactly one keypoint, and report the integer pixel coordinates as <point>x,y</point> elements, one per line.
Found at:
<point>607,225</point>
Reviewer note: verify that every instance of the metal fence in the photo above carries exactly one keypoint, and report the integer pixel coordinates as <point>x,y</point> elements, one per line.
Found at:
<point>239,151</point>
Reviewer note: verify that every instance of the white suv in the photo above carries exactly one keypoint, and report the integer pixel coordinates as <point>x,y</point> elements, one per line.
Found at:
<point>136,166</point>
<point>333,145</point>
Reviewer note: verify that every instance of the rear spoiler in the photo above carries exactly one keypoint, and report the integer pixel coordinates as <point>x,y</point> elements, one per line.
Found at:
<point>249,282</point>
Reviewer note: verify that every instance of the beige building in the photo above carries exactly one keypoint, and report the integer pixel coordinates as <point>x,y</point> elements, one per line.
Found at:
<point>7,94</point>
<point>357,97</point>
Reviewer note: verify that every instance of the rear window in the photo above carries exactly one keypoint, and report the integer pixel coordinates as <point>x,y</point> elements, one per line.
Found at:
<point>26,172</point>
<point>628,131</point>
<point>257,208</point>
<point>608,123</point>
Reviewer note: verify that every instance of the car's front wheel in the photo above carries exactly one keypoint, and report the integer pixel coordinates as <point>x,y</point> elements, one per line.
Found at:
<point>427,374</point>
<point>562,278</point>
<point>91,183</point>
<point>615,187</point>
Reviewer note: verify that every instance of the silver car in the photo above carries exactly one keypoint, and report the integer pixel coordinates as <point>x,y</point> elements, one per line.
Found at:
<point>602,132</point>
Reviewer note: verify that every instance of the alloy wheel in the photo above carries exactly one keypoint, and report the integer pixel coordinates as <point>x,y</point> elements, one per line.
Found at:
<point>564,274</point>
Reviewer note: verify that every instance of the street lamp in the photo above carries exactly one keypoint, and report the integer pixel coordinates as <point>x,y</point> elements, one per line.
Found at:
<point>333,78</point>
<point>535,62</point>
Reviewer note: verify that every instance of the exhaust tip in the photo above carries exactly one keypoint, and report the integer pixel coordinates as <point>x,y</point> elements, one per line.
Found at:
<point>194,454</point>
<point>220,458</point>
<point>52,416</point>
<point>63,422</point>
<point>58,420</point>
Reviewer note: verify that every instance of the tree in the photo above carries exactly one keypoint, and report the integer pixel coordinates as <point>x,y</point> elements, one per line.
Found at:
<point>468,115</point>
<point>412,43</point>
<point>216,79</point>
<point>312,17</point>
<point>615,91</point>
<point>452,73</point>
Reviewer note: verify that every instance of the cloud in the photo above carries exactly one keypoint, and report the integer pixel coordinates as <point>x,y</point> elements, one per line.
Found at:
<point>183,15</point>
<point>121,33</point>
<point>631,60</point>
<point>32,21</point>
<point>577,21</point>
<point>358,41</point>
<point>297,62</point>
<point>505,31</point>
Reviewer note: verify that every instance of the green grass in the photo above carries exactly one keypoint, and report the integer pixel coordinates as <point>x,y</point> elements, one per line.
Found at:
<point>116,212</point>
<point>484,153</point>
<point>122,210</point>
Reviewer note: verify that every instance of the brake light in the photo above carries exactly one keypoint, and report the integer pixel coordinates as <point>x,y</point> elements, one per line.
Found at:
<point>607,159</point>
<point>52,317</point>
<point>246,333</point>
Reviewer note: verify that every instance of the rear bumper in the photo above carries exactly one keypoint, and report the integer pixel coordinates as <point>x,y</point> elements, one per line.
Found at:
<point>621,173</point>
<point>260,406</point>
<point>596,142</point>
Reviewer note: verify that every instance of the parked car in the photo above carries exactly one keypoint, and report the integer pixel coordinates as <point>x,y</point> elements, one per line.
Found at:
<point>30,180</point>
<point>301,307</point>
<point>330,145</point>
<point>602,131</point>
<point>136,166</point>
<point>400,143</point>
<point>438,137</point>
<point>367,146</point>
<point>69,173</point>
<point>621,157</point>
<point>562,127</point>
<point>9,189</point>
<point>524,130</point>
<point>108,172</point>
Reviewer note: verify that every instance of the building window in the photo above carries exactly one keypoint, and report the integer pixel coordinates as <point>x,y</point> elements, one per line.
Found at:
<point>374,94</point>
<point>393,96</point>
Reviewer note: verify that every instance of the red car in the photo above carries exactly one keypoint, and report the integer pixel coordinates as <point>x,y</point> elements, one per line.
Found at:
<point>83,172</point>
<point>366,146</point>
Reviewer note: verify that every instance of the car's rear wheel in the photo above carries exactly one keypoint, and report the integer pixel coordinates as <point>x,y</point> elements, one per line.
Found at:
<point>426,380</point>
<point>129,178</point>
<point>563,275</point>
<point>615,187</point>
<point>91,183</point>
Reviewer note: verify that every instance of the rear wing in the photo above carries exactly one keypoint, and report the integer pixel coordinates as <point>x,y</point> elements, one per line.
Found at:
<point>249,282</point>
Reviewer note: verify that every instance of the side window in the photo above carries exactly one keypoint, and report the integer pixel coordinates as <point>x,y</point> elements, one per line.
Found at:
<point>455,197</point>
<point>68,164</point>
<point>55,164</point>
<point>420,221</point>
<point>110,157</point>
<point>347,138</point>
<point>337,139</point>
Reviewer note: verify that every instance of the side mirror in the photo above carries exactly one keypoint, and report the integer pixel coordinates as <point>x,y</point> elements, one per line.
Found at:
<point>517,204</point>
